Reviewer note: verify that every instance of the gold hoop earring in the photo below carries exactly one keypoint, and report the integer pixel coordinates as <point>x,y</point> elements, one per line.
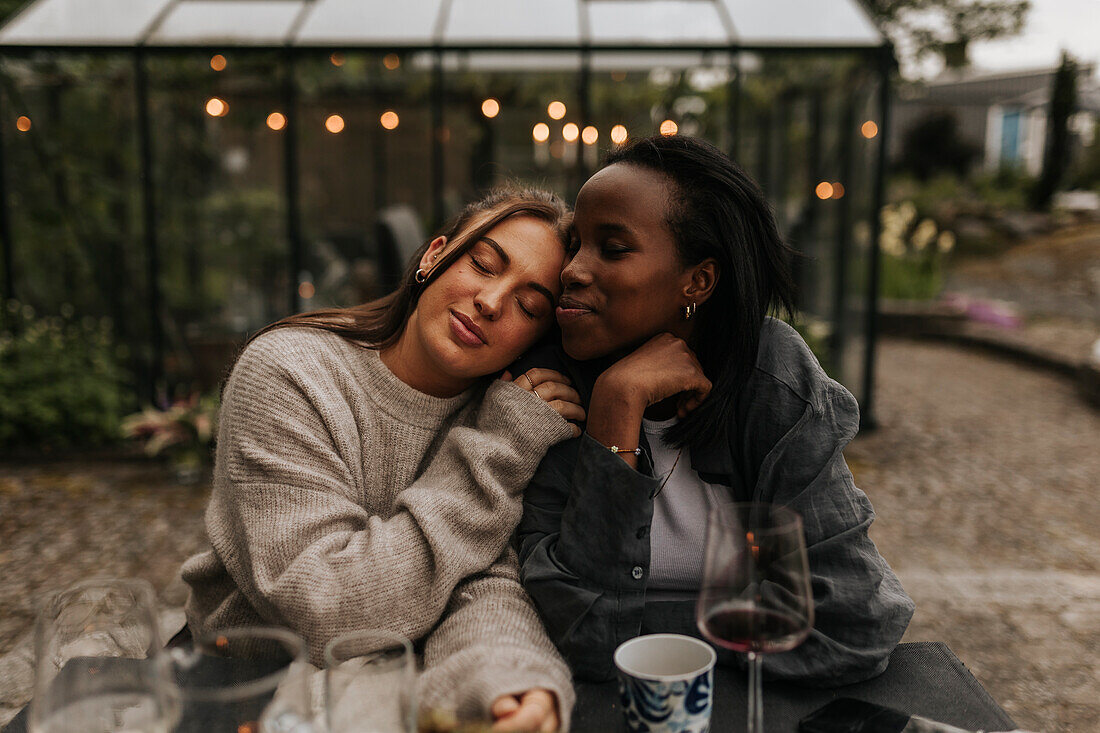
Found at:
<point>689,311</point>
<point>420,276</point>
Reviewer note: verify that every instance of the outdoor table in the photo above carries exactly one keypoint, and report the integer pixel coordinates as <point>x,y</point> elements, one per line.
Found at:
<point>924,678</point>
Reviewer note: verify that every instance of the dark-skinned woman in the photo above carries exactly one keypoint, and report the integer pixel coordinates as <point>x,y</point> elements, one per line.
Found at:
<point>676,263</point>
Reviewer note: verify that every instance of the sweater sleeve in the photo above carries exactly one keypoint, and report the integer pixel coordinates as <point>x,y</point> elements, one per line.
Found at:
<point>491,643</point>
<point>284,520</point>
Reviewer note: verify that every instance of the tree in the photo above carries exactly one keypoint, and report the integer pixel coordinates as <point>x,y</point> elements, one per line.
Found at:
<point>8,8</point>
<point>946,27</point>
<point>933,145</point>
<point>1063,102</point>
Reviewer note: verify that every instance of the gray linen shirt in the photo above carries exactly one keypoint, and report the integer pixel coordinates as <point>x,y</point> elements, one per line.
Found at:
<point>584,539</point>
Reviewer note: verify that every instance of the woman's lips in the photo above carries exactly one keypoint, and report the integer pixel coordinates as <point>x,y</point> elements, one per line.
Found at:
<point>569,310</point>
<point>466,330</point>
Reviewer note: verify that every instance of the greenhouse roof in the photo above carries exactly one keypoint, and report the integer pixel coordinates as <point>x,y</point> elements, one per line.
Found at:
<point>564,25</point>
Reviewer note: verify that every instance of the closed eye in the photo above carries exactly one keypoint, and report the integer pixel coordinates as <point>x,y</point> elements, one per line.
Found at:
<point>615,250</point>
<point>480,266</point>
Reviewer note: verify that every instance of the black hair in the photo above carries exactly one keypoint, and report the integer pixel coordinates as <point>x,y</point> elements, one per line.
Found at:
<point>716,210</point>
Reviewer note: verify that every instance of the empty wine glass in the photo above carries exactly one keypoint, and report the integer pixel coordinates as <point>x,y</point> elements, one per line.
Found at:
<point>249,679</point>
<point>756,594</point>
<point>99,665</point>
<point>370,683</point>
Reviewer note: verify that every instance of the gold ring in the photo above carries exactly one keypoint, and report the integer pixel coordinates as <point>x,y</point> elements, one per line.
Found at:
<point>536,393</point>
<point>529,381</point>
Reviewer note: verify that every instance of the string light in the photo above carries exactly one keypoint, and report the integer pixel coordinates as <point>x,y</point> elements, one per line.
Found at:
<point>391,61</point>
<point>590,135</point>
<point>336,59</point>
<point>556,110</point>
<point>334,124</point>
<point>618,134</point>
<point>824,190</point>
<point>490,108</point>
<point>541,132</point>
<point>869,129</point>
<point>389,119</point>
<point>276,120</point>
<point>216,107</point>
<point>669,128</point>
<point>838,190</point>
<point>23,124</point>
<point>217,62</point>
<point>570,132</point>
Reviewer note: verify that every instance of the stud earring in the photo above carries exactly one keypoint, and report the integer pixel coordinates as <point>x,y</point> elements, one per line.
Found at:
<point>689,311</point>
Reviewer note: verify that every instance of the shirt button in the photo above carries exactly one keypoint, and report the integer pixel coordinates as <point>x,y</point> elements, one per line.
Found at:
<point>642,532</point>
<point>637,572</point>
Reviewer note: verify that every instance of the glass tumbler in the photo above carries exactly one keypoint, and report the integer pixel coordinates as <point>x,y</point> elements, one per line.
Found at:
<point>370,683</point>
<point>99,663</point>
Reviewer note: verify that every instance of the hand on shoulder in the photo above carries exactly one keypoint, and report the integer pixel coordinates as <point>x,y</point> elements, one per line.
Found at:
<point>555,389</point>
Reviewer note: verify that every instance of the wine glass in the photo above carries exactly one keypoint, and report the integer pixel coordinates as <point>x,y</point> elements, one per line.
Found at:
<point>756,594</point>
<point>370,683</point>
<point>99,665</point>
<point>250,679</point>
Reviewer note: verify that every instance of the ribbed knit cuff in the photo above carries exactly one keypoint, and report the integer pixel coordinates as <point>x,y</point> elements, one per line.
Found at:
<point>489,683</point>
<point>506,403</point>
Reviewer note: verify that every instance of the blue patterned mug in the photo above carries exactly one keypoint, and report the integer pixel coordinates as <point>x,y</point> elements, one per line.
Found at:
<point>665,683</point>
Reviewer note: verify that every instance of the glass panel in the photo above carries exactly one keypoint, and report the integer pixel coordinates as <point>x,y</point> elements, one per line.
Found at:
<point>529,133</point>
<point>221,222</point>
<point>366,172</point>
<point>631,61</point>
<point>79,256</point>
<point>802,22</point>
<point>221,21</point>
<point>507,21</point>
<point>491,61</point>
<point>358,22</point>
<point>106,22</point>
<point>656,21</point>
<point>631,100</point>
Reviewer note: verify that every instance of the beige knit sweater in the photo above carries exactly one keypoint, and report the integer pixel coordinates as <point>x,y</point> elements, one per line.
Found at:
<point>345,499</point>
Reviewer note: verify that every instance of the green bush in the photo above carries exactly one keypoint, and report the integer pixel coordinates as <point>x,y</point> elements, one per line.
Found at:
<point>1007,189</point>
<point>61,380</point>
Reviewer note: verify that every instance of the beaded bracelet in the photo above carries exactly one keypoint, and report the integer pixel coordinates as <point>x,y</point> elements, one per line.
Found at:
<point>616,450</point>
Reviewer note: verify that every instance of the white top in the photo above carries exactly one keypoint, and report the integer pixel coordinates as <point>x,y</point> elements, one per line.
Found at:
<point>678,532</point>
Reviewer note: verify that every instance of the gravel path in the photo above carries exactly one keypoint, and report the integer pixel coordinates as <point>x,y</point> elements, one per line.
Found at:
<point>984,476</point>
<point>983,473</point>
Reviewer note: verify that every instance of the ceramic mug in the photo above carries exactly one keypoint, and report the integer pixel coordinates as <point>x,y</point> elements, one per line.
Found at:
<point>666,683</point>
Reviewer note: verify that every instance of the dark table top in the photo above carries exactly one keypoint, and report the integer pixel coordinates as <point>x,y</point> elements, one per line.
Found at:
<point>923,678</point>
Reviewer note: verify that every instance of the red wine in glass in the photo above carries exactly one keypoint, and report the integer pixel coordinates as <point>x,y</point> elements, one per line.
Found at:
<point>747,628</point>
<point>756,596</point>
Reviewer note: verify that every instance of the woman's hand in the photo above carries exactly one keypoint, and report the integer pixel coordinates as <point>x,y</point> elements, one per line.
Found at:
<point>535,710</point>
<point>661,368</point>
<point>554,389</point>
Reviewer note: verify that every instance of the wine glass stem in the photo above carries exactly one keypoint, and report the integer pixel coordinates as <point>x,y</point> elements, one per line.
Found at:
<point>756,699</point>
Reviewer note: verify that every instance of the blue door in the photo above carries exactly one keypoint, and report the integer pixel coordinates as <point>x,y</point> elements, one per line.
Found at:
<point>1010,136</point>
